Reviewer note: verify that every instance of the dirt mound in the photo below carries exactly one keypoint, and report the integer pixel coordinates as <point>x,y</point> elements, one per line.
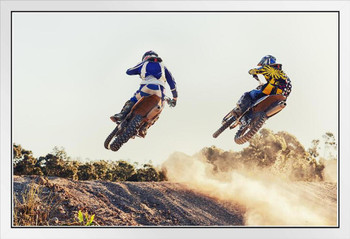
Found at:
<point>176,204</point>
<point>129,203</point>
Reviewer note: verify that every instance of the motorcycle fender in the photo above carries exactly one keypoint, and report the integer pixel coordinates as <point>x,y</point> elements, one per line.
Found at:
<point>146,104</point>
<point>264,104</point>
<point>154,112</point>
<point>274,110</point>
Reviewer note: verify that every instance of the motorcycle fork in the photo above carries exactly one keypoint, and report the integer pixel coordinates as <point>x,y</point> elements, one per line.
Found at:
<point>246,119</point>
<point>226,117</point>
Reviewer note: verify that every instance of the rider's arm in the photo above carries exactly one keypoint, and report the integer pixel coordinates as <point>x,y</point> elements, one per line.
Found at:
<point>136,70</point>
<point>171,81</point>
<point>255,71</point>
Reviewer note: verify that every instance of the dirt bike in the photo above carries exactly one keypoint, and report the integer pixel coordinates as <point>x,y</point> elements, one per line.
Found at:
<point>143,115</point>
<point>253,118</point>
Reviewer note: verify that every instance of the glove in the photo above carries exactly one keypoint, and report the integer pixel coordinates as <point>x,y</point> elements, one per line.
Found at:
<point>251,72</point>
<point>172,102</point>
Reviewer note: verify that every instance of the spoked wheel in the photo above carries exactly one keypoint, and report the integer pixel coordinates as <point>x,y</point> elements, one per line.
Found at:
<point>130,131</point>
<point>246,133</point>
<point>223,127</point>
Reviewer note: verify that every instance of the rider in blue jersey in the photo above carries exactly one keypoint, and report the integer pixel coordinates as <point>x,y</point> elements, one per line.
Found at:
<point>154,76</point>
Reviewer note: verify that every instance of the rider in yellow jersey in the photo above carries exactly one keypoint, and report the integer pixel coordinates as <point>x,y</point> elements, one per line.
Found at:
<point>278,83</point>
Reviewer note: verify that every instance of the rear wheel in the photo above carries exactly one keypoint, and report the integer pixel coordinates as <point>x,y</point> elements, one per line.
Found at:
<point>223,127</point>
<point>130,131</point>
<point>245,134</point>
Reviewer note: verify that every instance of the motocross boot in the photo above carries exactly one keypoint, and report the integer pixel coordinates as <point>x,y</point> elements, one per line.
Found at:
<point>242,105</point>
<point>123,113</point>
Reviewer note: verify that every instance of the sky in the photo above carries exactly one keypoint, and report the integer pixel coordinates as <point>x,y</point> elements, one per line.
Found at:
<point>69,77</point>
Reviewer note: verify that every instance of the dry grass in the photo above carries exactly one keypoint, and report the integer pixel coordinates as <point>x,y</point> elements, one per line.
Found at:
<point>35,208</point>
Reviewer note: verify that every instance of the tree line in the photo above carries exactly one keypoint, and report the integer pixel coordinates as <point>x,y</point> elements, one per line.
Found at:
<point>59,164</point>
<point>279,153</point>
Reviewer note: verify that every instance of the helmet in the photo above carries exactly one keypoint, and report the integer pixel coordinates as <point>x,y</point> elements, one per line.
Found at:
<point>267,60</point>
<point>148,55</point>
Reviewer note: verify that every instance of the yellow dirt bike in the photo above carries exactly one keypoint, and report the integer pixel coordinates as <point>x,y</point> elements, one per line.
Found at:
<point>253,118</point>
<point>143,115</point>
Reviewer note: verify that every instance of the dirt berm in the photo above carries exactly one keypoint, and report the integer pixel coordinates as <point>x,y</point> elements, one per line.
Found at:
<point>129,203</point>
<point>144,203</point>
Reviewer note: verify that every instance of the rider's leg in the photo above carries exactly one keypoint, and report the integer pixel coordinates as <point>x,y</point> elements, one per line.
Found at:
<point>127,107</point>
<point>243,104</point>
<point>144,90</point>
<point>123,113</point>
<point>256,94</point>
<point>246,101</point>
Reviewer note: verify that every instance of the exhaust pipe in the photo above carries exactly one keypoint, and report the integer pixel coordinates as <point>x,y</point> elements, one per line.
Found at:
<point>276,109</point>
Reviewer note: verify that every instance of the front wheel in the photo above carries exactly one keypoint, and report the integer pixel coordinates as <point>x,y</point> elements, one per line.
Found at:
<point>130,131</point>
<point>223,127</point>
<point>110,137</point>
<point>245,134</point>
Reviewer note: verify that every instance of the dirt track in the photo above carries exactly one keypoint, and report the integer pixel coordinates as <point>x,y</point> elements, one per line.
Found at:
<point>155,203</point>
<point>134,203</point>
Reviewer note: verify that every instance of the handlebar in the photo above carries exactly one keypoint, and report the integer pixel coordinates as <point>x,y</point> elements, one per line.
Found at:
<point>170,101</point>
<point>167,99</point>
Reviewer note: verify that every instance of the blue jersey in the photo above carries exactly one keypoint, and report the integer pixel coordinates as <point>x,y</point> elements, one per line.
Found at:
<point>154,72</point>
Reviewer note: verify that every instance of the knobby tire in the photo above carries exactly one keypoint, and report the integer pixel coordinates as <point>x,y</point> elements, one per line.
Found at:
<point>110,137</point>
<point>243,136</point>
<point>130,131</point>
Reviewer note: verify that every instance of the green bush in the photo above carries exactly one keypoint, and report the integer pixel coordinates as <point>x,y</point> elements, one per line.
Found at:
<point>147,174</point>
<point>59,164</point>
<point>24,162</point>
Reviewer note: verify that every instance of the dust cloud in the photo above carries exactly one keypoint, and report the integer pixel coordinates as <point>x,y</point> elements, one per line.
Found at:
<point>268,197</point>
<point>330,170</point>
